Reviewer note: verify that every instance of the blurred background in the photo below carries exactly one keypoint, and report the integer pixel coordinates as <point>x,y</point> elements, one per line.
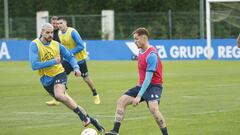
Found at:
<point>200,97</point>
<point>166,19</point>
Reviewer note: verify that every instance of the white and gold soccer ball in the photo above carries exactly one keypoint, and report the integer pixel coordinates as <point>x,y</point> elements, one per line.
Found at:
<point>89,131</point>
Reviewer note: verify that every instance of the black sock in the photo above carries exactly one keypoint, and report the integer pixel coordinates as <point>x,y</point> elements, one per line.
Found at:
<point>116,126</point>
<point>93,121</point>
<point>164,131</point>
<point>94,91</point>
<point>80,114</point>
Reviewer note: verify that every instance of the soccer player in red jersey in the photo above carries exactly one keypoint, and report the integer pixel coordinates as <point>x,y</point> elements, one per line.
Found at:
<point>149,88</point>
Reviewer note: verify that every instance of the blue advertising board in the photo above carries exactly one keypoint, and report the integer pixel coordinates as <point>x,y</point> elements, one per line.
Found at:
<point>195,49</point>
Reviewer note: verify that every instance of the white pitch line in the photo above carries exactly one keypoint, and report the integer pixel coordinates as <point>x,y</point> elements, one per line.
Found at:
<point>190,97</point>
<point>211,112</point>
<point>41,113</point>
<point>47,125</point>
<point>97,115</point>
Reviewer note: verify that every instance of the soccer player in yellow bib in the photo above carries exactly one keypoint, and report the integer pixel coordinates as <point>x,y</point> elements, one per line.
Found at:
<point>54,23</point>
<point>45,56</point>
<point>71,39</point>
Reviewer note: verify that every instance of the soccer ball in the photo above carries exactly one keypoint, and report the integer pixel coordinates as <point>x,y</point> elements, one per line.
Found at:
<point>89,131</point>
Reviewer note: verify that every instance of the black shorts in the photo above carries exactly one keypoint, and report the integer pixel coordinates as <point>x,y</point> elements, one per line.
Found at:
<point>153,92</point>
<point>82,65</point>
<point>58,79</point>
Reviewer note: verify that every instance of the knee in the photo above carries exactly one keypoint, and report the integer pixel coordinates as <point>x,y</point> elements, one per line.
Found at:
<point>85,78</point>
<point>59,97</point>
<point>153,110</point>
<point>120,102</point>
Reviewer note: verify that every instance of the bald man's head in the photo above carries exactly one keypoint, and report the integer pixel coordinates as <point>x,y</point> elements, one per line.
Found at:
<point>46,26</point>
<point>47,32</point>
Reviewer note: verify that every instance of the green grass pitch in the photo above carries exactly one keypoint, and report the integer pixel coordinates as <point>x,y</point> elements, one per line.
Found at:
<point>199,98</point>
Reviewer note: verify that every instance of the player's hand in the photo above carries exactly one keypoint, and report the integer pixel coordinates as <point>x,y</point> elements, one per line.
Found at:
<point>77,73</point>
<point>58,59</point>
<point>136,101</point>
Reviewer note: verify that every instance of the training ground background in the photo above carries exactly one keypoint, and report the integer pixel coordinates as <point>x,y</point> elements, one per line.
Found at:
<point>199,98</point>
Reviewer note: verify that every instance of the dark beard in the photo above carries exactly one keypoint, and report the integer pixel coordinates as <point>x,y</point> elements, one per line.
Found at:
<point>47,39</point>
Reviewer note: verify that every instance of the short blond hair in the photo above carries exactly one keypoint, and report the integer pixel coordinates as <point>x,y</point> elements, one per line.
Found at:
<point>141,31</point>
<point>46,25</point>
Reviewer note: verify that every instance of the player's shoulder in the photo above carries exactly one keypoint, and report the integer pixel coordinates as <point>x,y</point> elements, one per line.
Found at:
<point>34,42</point>
<point>152,48</point>
<point>55,42</point>
<point>74,33</point>
<point>72,29</point>
<point>152,56</point>
<point>33,46</point>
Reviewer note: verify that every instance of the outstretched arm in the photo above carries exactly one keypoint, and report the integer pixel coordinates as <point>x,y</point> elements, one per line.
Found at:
<point>79,42</point>
<point>34,59</point>
<point>69,57</point>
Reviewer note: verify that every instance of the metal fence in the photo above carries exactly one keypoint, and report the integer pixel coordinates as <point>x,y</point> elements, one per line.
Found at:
<point>88,26</point>
<point>162,25</point>
<point>177,25</point>
<point>19,28</point>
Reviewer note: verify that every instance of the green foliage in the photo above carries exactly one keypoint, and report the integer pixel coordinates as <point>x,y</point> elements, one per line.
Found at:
<point>28,8</point>
<point>129,14</point>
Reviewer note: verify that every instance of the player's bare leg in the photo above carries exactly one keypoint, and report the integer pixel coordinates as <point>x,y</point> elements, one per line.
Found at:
<point>62,96</point>
<point>90,84</point>
<point>123,101</point>
<point>154,109</point>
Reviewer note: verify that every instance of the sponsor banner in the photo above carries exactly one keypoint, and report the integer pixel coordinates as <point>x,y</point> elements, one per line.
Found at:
<point>222,49</point>
<point>14,50</point>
